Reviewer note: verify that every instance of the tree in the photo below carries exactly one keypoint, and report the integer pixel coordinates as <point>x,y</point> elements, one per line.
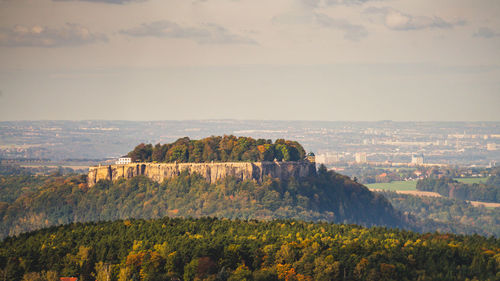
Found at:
<point>191,269</point>
<point>178,154</point>
<point>50,275</point>
<point>142,152</point>
<point>32,276</point>
<point>103,271</point>
<point>266,152</point>
<point>241,273</point>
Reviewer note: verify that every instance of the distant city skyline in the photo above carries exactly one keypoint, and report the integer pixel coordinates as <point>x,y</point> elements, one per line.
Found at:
<point>456,143</point>
<point>359,60</point>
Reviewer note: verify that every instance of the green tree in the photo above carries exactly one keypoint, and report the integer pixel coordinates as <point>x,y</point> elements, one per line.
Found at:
<point>241,273</point>
<point>191,270</point>
<point>179,154</point>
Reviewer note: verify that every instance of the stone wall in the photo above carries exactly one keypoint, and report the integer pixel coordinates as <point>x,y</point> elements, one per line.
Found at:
<point>210,171</point>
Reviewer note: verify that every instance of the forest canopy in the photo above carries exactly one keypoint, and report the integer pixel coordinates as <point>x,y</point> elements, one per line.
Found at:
<point>221,249</point>
<point>447,214</point>
<point>219,149</point>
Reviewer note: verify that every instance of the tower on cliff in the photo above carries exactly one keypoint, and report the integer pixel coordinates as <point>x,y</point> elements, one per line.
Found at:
<point>311,157</point>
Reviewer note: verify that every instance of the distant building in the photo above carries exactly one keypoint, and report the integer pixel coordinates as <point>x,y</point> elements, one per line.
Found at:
<point>123,160</point>
<point>491,146</point>
<point>360,157</point>
<point>417,159</point>
<point>311,157</point>
<point>327,158</point>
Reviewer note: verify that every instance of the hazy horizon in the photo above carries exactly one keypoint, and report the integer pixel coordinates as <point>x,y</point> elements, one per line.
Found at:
<point>250,120</point>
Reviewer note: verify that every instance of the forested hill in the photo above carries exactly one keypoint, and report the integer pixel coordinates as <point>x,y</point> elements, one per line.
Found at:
<point>31,203</point>
<point>214,249</point>
<point>219,149</point>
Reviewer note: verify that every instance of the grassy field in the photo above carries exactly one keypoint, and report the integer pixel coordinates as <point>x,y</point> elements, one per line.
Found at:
<point>394,186</point>
<point>471,180</point>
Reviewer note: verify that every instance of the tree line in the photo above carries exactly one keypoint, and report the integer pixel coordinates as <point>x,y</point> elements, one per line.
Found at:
<point>448,187</point>
<point>219,149</point>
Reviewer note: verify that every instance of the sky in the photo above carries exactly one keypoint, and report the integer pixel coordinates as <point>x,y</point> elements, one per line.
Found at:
<point>357,60</point>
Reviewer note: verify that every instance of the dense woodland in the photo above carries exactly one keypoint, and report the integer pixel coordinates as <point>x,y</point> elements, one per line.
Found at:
<point>219,149</point>
<point>486,192</point>
<point>447,215</point>
<point>34,202</point>
<point>215,249</point>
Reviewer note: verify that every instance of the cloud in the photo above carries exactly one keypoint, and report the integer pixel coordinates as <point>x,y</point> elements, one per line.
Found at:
<point>325,3</point>
<point>203,34</point>
<point>485,32</point>
<point>295,18</point>
<point>120,2</point>
<point>396,20</point>
<point>352,32</point>
<point>38,36</point>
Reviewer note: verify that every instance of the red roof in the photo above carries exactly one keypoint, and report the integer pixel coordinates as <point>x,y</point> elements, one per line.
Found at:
<point>68,279</point>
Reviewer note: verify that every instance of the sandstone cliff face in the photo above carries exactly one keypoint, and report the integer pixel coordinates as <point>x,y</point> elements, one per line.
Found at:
<point>210,171</point>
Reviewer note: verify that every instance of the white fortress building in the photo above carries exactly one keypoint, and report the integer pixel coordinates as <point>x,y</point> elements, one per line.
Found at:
<point>123,161</point>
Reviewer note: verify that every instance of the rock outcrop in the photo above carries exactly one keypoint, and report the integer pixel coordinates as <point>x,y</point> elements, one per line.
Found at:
<point>210,171</point>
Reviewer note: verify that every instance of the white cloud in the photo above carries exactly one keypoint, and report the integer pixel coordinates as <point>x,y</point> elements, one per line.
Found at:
<point>396,20</point>
<point>39,36</point>
<point>104,1</point>
<point>203,34</point>
<point>351,31</point>
<point>325,3</point>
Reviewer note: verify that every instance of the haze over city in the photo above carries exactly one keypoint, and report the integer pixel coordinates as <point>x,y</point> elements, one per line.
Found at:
<point>281,60</point>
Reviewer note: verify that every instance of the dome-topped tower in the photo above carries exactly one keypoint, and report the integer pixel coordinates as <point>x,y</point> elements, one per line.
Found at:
<point>311,157</point>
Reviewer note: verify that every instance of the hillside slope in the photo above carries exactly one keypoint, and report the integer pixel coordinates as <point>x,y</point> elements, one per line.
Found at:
<point>327,196</point>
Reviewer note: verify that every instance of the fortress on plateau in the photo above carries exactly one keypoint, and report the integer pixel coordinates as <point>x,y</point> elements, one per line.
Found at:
<point>212,172</point>
<point>214,158</point>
